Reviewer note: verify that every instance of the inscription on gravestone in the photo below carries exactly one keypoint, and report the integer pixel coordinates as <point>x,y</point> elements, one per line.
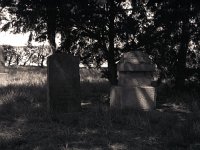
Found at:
<point>63,83</point>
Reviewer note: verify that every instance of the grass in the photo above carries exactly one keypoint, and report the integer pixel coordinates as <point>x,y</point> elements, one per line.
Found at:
<point>26,125</point>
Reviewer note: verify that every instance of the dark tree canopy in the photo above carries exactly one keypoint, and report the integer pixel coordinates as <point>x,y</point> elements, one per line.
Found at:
<point>169,38</point>
<point>101,30</point>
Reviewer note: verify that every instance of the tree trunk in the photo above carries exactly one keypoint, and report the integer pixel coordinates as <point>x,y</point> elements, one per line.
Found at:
<point>182,55</point>
<point>10,60</point>
<point>29,58</point>
<point>65,31</point>
<point>17,59</point>
<point>42,61</point>
<point>38,59</point>
<point>112,67</point>
<point>51,23</point>
<point>66,41</point>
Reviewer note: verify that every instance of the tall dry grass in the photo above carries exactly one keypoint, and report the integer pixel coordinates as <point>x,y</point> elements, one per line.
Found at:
<point>26,125</point>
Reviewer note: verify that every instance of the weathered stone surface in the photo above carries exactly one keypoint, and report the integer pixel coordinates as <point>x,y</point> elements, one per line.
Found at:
<point>135,79</point>
<point>127,66</point>
<point>134,90</point>
<point>63,83</point>
<point>136,57</point>
<point>135,61</point>
<point>137,98</point>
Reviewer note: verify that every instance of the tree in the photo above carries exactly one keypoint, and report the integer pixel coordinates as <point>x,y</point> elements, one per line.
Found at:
<point>102,29</point>
<point>108,29</point>
<point>42,16</point>
<point>174,27</point>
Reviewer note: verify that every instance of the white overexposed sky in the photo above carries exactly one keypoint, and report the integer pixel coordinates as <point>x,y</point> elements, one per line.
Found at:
<point>7,38</point>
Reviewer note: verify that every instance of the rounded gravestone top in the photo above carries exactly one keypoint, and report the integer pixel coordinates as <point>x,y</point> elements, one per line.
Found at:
<point>136,57</point>
<point>136,61</point>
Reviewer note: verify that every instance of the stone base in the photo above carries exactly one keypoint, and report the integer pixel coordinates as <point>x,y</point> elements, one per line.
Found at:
<point>137,98</point>
<point>63,83</point>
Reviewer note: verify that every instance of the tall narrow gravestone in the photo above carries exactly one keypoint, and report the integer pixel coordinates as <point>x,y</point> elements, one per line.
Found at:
<point>134,90</point>
<point>63,83</point>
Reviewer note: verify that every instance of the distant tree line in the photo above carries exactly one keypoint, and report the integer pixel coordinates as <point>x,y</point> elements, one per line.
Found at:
<point>101,30</point>
<point>26,55</point>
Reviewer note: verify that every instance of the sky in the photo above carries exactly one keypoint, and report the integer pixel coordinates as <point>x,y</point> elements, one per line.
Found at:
<point>7,38</point>
<point>13,39</point>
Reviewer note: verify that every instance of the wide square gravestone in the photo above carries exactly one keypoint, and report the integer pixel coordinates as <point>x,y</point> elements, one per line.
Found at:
<point>134,90</point>
<point>63,83</point>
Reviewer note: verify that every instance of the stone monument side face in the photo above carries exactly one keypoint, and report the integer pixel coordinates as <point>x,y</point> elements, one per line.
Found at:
<point>137,98</point>
<point>2,61</point>
<point>135,79</point>
<point>63,83</point>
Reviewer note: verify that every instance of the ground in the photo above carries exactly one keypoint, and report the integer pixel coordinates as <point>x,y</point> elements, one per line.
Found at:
<point>25,123</point>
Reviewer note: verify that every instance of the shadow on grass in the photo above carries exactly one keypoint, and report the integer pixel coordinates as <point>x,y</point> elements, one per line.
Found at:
<point>94,92</point>
<point>25,124</point>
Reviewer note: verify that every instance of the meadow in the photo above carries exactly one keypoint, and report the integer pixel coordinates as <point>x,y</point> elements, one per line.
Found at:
<point>25,123</point>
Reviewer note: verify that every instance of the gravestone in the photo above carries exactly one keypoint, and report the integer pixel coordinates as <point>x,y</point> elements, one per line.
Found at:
<point>134,89</point>
<point>63,83</point>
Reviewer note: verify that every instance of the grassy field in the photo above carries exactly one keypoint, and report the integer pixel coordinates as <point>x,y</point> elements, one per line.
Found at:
<point>26,125</point>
